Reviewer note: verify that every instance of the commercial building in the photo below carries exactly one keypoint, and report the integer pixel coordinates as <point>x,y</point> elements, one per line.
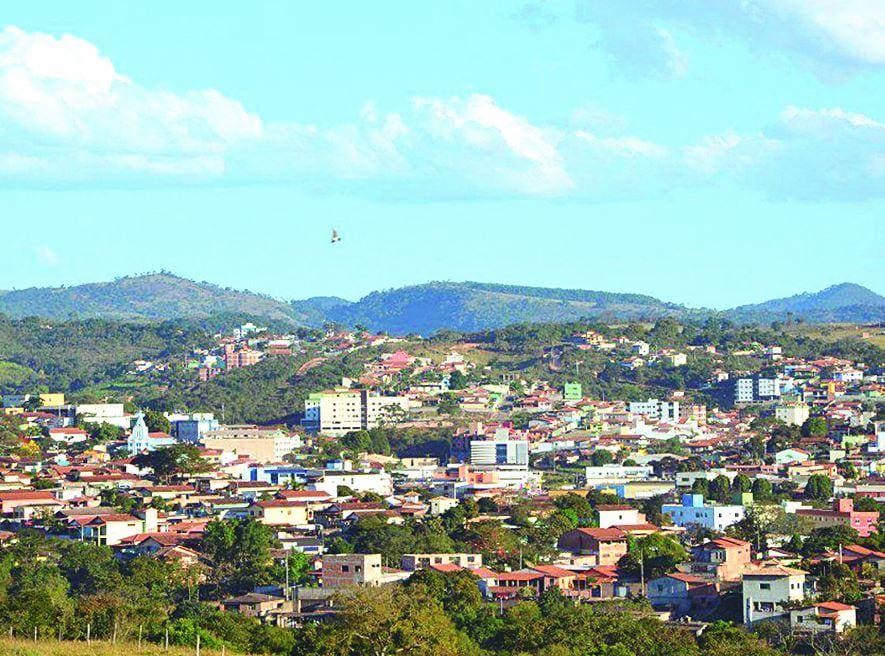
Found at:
<point>499,452</point>
<point>191,427</point>
<point>262,445</point>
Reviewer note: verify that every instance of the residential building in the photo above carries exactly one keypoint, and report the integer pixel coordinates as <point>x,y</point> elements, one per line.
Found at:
<point>794,414</point>
<point>654,409</point>
<point>722,559</point>
<point>342,411</point>
<point>412,562</point>
<point>341,570</point>
<point>607,474</point>
<point>679,592</point>
<point>192,427</point>
<point>619,516</point>
<point>825,617</point>
<point>766,589</point>
<point>843,514</point>
<point>286,512</point>
<point>694,512</point>
<point>572,392</point>
<point>595,546</point>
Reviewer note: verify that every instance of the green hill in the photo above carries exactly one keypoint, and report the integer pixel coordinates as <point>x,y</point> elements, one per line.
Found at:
<point>843,303</point>
<point>154,296</point>
<point>471,306</point>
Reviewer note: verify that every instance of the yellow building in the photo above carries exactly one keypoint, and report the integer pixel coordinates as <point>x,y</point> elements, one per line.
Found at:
<point>52,399</point>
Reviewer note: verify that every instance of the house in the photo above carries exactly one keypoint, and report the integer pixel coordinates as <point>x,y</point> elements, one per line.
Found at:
<point>595,546</point>
<point>722,559</point>
<point>826,617</point>
<point>412,562</point>
<point>257,605</point>
<point>282,512</point>
<point>767,588</point>
<point>694,512</point>
<point>856,556</point>
<point>616,515</point>
<point>69,435</point>
<point>341,570</point>
<point>843,514</point>
<point>14,499</point>
<point>112,529</point>
<point>791,455</point>
<point>680,593</point>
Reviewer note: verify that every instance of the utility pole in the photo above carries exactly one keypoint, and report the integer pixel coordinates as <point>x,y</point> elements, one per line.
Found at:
<point>286,595</point>
<point>642,571</point>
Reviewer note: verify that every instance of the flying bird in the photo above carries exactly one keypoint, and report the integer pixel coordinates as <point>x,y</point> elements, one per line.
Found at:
<point>335,236</point>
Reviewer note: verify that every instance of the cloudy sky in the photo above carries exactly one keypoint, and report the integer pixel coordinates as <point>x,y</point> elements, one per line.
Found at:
<point>707,153</point>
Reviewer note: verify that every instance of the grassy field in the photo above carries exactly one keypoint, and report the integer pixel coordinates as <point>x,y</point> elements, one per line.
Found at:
<point>835,331</point>
<point>54,648</point>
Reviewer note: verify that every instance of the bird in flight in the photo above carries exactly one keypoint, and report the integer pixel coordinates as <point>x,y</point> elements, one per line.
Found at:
<point>335,236</point>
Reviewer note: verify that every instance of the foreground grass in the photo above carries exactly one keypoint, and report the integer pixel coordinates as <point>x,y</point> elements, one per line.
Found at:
<point>96,648</point>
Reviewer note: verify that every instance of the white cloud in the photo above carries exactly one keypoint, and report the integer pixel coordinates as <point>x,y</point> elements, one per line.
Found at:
<point>834,37</point>
<point>68,117</point>
<point>46,255</point>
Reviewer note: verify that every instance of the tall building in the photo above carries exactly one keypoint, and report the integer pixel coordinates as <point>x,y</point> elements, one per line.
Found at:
<point>499,452</point>
<point>654,409</point>
<point>341,411</point>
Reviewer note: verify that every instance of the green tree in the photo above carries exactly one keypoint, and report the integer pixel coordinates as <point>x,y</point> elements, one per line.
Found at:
<point>172,460</point>
<point>660,553</point>
<point>818,488</point>
<point>156,422</point>
<point>741,483</point>
<point>240,550</point>
<point>601,457</point>
<point>720,489</point>
<point>814,427</point>
<point>762,490</point>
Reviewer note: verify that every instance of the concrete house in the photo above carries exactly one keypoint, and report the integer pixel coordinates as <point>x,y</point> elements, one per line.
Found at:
<point>768,588</point>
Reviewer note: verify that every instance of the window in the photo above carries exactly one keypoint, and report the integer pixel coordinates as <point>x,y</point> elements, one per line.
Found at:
<point>765,586</point>
<point>345,568</point>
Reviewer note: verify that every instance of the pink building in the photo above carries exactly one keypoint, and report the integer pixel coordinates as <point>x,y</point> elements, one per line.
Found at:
<point>843,514</point>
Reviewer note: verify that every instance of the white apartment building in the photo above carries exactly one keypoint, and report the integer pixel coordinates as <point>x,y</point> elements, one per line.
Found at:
<point>694,512</point>
<point>654,409</point>
<point>794,414</point>
<point>616,473</point>
<point>342,411</point>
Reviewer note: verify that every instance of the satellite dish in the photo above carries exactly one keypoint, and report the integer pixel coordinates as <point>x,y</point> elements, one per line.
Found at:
<point>335,236</point>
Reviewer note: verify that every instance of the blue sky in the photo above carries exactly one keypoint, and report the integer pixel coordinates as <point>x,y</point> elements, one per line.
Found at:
<point>706,153</point>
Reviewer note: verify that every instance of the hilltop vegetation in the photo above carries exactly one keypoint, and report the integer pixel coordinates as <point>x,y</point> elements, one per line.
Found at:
<point>422,309</point>
<point>845,302</point>
<point>156,296</point>
<point>471,306</point>
<point>71,355</point>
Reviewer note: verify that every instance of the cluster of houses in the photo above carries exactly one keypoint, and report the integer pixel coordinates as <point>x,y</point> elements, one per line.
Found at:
<point>535,444</point>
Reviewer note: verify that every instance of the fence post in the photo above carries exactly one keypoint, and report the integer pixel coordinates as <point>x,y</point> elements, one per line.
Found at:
<point>198,645</point>
<point>88,633</point>
<point>114,637</point>
<point>139,635</point>
<point>167,638</point>
<point>35,634</point>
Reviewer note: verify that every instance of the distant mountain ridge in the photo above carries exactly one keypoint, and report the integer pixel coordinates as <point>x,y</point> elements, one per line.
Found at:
<point>469,306</point>
<point>845,302</point>
<point>422,309</point>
